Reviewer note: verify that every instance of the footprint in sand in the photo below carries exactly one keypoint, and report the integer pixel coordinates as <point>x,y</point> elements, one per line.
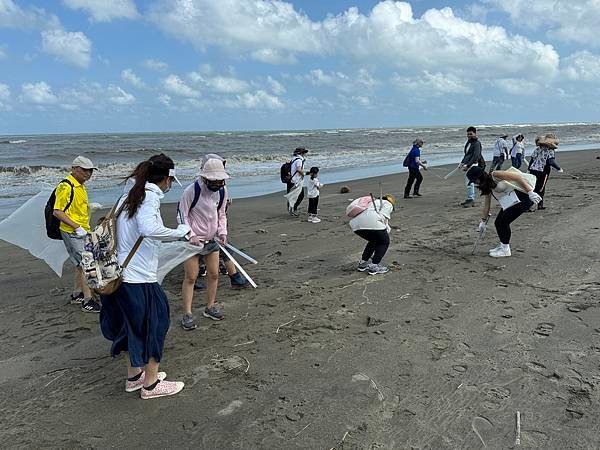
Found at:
<point>544,329</point>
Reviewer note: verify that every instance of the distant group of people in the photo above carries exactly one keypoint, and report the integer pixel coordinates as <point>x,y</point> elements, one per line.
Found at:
<point>135,317</point>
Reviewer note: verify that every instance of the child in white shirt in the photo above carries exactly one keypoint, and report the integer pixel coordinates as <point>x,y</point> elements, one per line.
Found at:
<point>313,186</point>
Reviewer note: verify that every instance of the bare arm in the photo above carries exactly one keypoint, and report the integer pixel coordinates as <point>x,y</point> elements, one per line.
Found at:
<point>487,202</point>
<point>515,178</point>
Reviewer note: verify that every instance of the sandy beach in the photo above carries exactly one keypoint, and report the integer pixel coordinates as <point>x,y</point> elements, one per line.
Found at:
<point>439,353</point>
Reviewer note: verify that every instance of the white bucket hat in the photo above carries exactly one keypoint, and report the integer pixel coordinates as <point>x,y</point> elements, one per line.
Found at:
<point>213,170</point>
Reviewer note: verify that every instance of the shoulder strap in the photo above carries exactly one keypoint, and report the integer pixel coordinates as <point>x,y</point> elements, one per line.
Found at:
<point>72,194</point>
<point>132,251</point>
<point>221,197</point>
<point>197,190</point>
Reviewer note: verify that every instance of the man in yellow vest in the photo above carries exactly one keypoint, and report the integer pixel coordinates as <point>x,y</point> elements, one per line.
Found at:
<point>71,208</point>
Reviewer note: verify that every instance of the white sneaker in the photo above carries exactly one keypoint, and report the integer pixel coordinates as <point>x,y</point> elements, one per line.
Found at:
<point>500,253</point>
<point>310,219</point>
<point>375,269</point>
<point>497,247</point>
<point>315,220</point>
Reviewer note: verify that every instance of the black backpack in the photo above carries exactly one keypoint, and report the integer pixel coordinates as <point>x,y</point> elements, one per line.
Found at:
<point>52,223</point>
<point>405,162</point>
<point>286,171</point>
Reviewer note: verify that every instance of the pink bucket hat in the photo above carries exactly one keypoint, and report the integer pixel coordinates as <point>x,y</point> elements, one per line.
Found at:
<point>213,170</point>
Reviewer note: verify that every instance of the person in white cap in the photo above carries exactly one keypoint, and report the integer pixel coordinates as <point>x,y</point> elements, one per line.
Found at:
<point>72,209</point>
<point>202,208</point>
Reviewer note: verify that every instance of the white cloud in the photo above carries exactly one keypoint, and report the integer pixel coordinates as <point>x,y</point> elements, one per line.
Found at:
<point>105,10</point>
<point>4,97</point>
<point>340,81</point>
<point>13,16</point>
<point>430,84</point>
<point>156,65</point>
<point>258,100</point>
<point>275,86</point>
<point>70,47</point>
<point>165,99</point>
<point>38,93</point>
<point>582,66</point>
<point>571,21</point>
<point>120,97</point>
<point>130,77</point>
<point>518,86</point>
<point>177,86</point>
<point>389,35</point>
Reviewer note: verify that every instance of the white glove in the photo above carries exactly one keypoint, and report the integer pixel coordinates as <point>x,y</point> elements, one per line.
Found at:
<point>482,226</point>
<point>80,232</point>
<point>95,206</point>
<point>534,197</point>
<point>183,229</point>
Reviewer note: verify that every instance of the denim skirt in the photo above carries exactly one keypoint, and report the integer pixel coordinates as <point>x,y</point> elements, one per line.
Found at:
<point>136,319</point>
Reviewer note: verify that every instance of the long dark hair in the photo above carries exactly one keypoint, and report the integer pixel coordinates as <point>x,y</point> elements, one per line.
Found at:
<point>154,170</point>
<point>486,183</point>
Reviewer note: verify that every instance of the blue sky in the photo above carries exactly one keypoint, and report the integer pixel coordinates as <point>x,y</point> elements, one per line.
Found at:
<point>177,65</point>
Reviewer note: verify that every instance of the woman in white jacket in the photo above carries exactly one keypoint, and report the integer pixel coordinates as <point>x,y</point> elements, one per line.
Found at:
<point>136,316</point>
<point>372,225</point>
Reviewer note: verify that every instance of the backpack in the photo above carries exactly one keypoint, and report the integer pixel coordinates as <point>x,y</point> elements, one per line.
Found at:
<point>99,260</point>
<point>197,190</point>
<point>405,162</point>
<point>285,172</point>
<point>52,223</point>
<point>358,206</point>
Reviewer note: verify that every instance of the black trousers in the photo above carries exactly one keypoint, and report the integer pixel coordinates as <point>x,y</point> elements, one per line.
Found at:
<point>413,174</point>
<point>290,185</point>
<point>541,178</point>
<point>497,163</point>
<point>377,245</point>
<point>508,216</point>
<point>312,205</point>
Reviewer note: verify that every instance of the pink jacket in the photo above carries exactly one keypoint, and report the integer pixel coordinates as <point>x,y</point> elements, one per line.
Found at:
<point>204,219</point>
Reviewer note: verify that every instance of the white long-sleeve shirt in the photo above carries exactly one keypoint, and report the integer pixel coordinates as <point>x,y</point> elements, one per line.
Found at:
<point>370,219</point>
<point>146,222</point>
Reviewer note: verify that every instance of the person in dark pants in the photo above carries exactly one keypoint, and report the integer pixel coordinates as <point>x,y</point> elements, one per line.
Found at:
<point>414,164</point>
<point>372,226</point>
<point>541,163</point>
<point>313,187</point>
<point>472,157</point>
<point>516,196</point>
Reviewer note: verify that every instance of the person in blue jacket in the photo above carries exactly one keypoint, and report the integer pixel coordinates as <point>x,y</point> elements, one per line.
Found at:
<point>414,166</point>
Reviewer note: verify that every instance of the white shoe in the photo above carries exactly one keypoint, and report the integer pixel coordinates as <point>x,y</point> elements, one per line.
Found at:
<point>497,247</point>
<point>315,220</point>
<point>500,253</point>
<point>310,219</point>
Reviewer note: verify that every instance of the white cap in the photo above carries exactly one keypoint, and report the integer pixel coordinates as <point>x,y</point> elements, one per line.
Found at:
<point>172,174</point>
<point>83,162</point>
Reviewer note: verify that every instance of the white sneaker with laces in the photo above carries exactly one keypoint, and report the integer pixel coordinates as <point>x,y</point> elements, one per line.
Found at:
<point>501,252</point>
<point>315,220</point>
<point>375,269</point>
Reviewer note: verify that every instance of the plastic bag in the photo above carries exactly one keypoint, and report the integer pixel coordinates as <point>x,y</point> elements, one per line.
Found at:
<point>171,254</point>
<point>26,228</point>
<point>294,193</point>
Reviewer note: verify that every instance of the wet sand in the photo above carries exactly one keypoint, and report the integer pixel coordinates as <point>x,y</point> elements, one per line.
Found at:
<point>439,353</point>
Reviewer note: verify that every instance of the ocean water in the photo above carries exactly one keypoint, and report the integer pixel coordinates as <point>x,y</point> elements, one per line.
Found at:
<point>29,163</point>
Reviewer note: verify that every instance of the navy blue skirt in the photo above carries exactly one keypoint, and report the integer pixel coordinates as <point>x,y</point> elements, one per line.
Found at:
<point>136,319</point>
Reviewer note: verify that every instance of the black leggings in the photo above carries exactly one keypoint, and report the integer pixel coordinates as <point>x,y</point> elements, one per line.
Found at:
<point>379,241</point>
<point>312,205</point>
<point>507,216</point>
<point>541,178</point>
<point>413,174</point>
<point>290,185</point>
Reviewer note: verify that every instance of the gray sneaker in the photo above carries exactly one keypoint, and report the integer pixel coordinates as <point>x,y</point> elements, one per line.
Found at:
<point>375,269</point>
<point>362,266</point>
<point>468,202</point>
<point>213,313</point>
<point>187,322</point>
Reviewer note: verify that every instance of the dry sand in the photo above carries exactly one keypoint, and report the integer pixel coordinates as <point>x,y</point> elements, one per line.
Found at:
<point>439,353</point>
